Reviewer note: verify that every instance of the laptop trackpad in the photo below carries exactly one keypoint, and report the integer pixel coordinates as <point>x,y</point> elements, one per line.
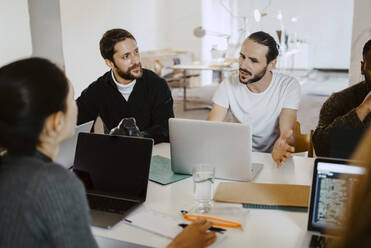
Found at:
<point>104,219</point>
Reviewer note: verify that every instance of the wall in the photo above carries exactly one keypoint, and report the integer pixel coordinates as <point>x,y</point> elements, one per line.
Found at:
<point>360,35</point>
<point>160,24</point>
<point>85,21</point>
<point>170,23</point>
<point>46,30</point>
<point>325,25</point>
<point>180,20</point>
<point>15,42</point>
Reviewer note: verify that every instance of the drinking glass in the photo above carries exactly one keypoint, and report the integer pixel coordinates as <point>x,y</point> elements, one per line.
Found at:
<point>203,178</point>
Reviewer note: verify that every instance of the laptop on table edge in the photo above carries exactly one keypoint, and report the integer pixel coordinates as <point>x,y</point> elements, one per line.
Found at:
<point>115,171</point>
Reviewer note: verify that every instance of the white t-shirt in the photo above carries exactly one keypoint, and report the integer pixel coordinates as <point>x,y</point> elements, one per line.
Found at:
<point>125,89</point>
<point>260,110</point>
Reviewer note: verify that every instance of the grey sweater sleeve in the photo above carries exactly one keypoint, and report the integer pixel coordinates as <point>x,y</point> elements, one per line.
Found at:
<point>59,211</point>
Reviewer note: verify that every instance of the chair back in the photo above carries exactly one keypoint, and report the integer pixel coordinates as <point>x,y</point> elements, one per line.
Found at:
<point>303,142</point>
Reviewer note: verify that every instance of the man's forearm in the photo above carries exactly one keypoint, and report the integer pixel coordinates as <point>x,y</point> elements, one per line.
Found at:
<point>287,122</point>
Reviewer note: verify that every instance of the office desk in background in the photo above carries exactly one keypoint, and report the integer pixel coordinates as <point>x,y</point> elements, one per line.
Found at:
<point>199,67</point>
<point>264,228</point>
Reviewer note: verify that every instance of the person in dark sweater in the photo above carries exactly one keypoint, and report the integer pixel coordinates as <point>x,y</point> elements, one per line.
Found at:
<point>347,109</point>
<point>41,203</point>
<point>127,90</point>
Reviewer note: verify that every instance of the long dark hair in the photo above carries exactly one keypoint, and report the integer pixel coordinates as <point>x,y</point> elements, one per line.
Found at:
<point>30,90</point>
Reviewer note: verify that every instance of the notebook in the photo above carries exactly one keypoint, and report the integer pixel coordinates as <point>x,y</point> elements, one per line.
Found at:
<point>162,224</point>
<point>264,195</point>
<point>161,171</point>
<point>156,222</point>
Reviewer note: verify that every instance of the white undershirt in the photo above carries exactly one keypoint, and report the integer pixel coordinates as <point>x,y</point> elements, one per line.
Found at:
<point>125,89</point>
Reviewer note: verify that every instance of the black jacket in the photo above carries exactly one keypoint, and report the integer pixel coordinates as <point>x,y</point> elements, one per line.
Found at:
<point>150,103</point>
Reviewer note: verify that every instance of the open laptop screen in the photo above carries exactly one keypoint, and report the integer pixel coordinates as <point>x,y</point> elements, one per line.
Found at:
<point>333,184</point>
<point>114,165</point>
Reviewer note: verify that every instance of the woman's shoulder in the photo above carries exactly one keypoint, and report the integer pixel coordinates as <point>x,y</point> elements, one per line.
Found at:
<point>60,177</point>
<point>41,176</point>
<point>37,182</point>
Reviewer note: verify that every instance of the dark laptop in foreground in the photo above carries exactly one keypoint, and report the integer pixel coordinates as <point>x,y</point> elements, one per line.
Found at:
<point>114,170</point>
<point>333,182</point>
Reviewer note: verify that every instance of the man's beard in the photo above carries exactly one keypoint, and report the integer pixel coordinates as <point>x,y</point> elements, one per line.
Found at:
<point>256,78</point>
<point>128,74</point>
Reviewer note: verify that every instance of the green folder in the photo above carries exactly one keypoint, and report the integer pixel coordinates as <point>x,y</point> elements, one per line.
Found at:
<point>160,171</point>
<point>285,208</point>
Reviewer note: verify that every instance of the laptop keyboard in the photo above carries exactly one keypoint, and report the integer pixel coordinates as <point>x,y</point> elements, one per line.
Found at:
<point>320,241</point>
<point>109,204</point>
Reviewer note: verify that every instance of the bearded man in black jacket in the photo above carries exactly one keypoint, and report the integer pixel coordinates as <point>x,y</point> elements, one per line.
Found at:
<point>127,90</point>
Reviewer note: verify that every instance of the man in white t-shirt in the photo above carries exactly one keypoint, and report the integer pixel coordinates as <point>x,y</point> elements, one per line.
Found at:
<point>255,95</point>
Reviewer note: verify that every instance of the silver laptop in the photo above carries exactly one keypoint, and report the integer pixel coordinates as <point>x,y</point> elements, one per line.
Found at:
<point>333,182</point>
<point>227,146</point>
<point>67,148</point>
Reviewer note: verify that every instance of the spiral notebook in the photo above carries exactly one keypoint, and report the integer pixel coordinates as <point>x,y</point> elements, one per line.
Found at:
<point>264,195</point>
<point>285,208</point>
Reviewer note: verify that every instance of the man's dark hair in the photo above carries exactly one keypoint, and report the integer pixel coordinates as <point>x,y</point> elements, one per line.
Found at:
<point>366,48</point>
<point>265,39</point>
<point>30,91</point>
<point>109,40</point>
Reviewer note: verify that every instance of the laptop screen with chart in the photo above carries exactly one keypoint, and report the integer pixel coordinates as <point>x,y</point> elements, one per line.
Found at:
<point>333,184</point>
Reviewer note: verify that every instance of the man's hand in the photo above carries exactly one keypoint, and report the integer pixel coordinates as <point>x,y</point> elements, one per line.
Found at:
<point>282,149</point>
<point>195,235</point>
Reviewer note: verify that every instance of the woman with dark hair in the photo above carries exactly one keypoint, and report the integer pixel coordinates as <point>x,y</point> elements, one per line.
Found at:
<point>41,203</point>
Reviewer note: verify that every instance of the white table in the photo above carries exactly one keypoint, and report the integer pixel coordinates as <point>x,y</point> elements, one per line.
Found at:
<point>264,228</point>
